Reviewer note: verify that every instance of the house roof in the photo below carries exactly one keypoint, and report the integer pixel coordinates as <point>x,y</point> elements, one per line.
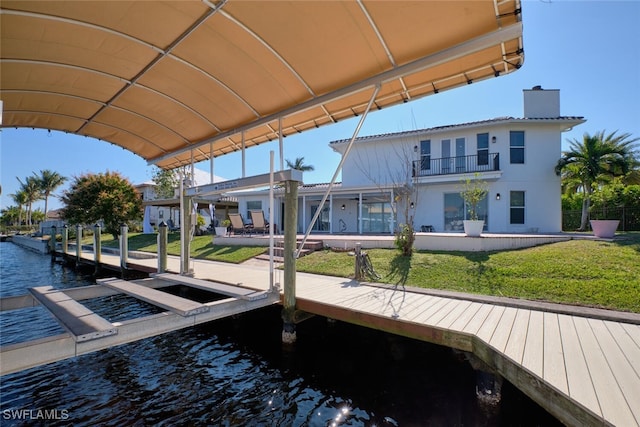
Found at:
<point>182,81</point>
<point>566,120</point>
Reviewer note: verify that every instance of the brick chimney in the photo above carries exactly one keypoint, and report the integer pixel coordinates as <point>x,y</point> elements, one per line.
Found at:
<point>541,103</point>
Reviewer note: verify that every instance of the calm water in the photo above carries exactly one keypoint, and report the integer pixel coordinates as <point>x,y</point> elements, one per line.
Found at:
<point>235,372</point>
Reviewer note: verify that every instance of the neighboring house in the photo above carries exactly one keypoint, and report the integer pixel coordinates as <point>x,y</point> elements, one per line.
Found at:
<point>168,210</point>
<point>515,156</point>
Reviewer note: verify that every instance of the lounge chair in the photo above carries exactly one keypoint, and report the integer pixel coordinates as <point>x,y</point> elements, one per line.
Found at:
<point>238,225</point>
<point>259,222</point>
<point>171,226</point>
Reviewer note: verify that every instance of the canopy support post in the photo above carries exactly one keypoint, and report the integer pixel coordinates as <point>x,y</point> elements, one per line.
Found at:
<point>290,226</point>
<point>280,143</point>
<point>335,174</point>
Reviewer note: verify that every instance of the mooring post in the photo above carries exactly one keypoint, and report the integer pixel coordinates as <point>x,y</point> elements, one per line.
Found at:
<point>163,241</point>
<point>97,247</point>
<point>358,272</point>
<point>52,242</point>
<point>290,230</point>
<point>124,247</point>
<point>65,239</point>
<point>187,221</point>
<point>78,244</point>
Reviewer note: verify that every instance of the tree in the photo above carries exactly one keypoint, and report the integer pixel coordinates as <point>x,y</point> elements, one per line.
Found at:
<point>594,161</point>
<point>106,196</point>
<point>298,164</point>
<point>166,181</point>
<point>20,199</point>
<point>11,215</point>
<point>49,181</point>
<point>405,189</point>
<point>31,189</point>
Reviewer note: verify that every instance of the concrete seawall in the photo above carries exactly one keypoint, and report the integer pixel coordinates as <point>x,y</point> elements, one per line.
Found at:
<point>37,244</point>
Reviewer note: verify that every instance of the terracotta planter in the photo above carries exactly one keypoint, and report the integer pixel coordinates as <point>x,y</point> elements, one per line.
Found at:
<point>473,228</point>
<point>605,228</point>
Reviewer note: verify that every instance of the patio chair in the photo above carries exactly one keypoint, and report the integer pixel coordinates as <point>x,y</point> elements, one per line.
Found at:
<point>238,225</point>
<point>259,222</point>
<point>171,226</point>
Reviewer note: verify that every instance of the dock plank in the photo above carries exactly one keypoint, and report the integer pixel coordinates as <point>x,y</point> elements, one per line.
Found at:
<point>436,317</point>
<point>474,324</point>
<point>625,342</point>
<point>503,329</point>
<point>182,306</point>
<point>462,320</point>
<point>533,358</point>
<point>418,304</point>
<point>82,323</point>
<point>515,345</point>
<point>579,381</point>
<point>624,373</point>
<point>553,353</point>
<point>441,303</point>
<point>454,314</point>
<point>610,397</point>
<point>488,326</point>
<point>633,331</point>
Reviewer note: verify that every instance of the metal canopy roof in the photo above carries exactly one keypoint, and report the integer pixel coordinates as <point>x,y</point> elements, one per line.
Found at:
<point>174,79</point>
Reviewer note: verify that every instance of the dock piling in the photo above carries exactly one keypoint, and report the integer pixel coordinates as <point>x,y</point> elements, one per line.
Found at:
<point>162,247</point>
<point>52,242</point>
<point>97,247</point>
<point>78,245</point>
<point>124,248</point>
<point>290,226</point>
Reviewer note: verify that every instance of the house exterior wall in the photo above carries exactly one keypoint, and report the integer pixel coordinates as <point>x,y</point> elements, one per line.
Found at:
<point>378,164</point>
<point>380,160</point>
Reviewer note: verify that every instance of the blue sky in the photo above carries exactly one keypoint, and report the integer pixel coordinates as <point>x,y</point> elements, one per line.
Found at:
<point>590,50</point>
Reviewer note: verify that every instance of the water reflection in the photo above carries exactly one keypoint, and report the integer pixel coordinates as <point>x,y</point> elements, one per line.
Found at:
<point>234,372</point>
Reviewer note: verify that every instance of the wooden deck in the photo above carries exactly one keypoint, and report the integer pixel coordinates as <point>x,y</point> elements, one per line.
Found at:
<point>583,366</point>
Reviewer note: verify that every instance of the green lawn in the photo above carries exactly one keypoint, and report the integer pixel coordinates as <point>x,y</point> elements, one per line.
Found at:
<point>582,272</point>
<point>201,247</point>
<point>591,273</point>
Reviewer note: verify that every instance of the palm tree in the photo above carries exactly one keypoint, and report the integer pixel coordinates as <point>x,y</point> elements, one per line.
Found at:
<point>49,181</point>
<point>20,199</point>
<point>31,188</point>
<point>594,161</point>
<point>299,165</point>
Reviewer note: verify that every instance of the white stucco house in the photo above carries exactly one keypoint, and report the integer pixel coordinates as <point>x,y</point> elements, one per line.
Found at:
<point>168,210</point>
<point>514,156</point>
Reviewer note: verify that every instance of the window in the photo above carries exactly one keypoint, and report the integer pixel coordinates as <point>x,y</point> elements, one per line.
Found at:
<point>376,217</point>
<point>516,146</point>
<point>456,211</point>
<point>516,207</point>
<point>253,205</point>
<point>425,155</point>
<point>482,140</point>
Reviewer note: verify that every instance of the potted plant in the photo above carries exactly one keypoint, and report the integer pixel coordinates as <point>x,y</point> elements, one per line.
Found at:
<point>602,224</point>
<point>473,191</point>
<point>222,231</point>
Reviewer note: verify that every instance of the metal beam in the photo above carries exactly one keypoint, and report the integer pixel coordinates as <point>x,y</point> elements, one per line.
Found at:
<point>255,181</point>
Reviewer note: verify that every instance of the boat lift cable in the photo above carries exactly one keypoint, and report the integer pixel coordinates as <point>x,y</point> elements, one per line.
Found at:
<point>338,169</point>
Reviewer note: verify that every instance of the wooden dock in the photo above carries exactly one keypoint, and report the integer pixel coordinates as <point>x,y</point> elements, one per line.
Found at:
<point>582,365</point>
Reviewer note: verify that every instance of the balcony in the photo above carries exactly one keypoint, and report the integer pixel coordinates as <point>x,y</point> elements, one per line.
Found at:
<point>487,162</point>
